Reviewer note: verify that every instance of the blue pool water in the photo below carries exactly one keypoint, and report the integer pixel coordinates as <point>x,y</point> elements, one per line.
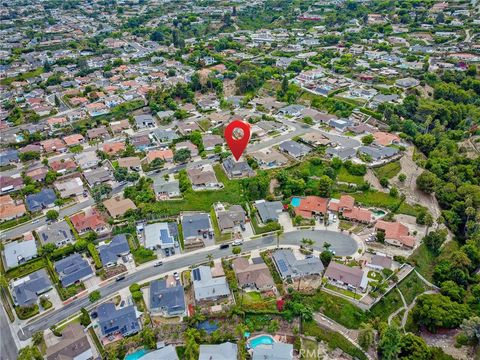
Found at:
<point>136,355</point>
<point>261,340</point>
<point>208,326</point>
<point>295,201</point>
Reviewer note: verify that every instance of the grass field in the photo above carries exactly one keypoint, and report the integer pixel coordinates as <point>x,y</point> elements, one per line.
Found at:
<point>388,171</point>
<point>387,305</point>
<point>425,261</point>
<point>344,176</point>
<point>411,286</point>
<point>340,310</point>
<point>344,291</point>
<point>21,77</point>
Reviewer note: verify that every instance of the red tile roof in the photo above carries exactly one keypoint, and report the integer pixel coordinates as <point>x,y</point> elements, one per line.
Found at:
<point>396,231</point>
<point>311,205</point>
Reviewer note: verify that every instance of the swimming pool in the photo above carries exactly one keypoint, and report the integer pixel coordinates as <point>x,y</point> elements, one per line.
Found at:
<point>136,355</point>
<point>261,340</point>
<point>295,202</point>
<point>378,213</point>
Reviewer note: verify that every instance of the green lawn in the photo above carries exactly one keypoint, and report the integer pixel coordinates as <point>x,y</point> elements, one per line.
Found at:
<point>344,176</point>
<point>411,286</point>
<point>375,275</point>
<point>25,269</point>
<point>232,193</point>
<point>310,349</point>
<point>337,308</point>
<point>387,305</point>
<point>21,77</point>
<point>388,171</point>
<point>344,291</point>
<point>383,200</point>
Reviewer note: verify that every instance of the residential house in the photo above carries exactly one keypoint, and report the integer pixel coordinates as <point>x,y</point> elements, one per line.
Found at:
<point>289,267</point>
<point>385,139</point>
<point>210,141</point>
<point>144,121</point>
<point>63,166</point>
<point>87,159</point>
<point>90,220</point>
<point>269,158</point>
<point>231,218</point>
<point>10,183</point>
<point>58,233</point>
<point>97,109</point>
<point>161,235</point>
<point>69,187</point>
<point>118,206</point>
<point>165,353</point>
<point>99,175</point>
<point>8,156</point>
<point>380,262</point>
<point>294,149</point>
<point>37,172</point>
<point>100,133</point>
<point>73,345</point>
<point>255,275</point>
<point>345,207</point>
<point>112,251</point>
<point>292,110</point>
<point>341,152</point>
<point>269,103</point>
<point>131,163</point>
<point>113,148</point>
<point>165,155</point>
<point>166,189</point>
<point>352,278</point>
<point>275,351</point>
<point>16,253</point>
<point>237,169</point>
<point>187,145</point>
<point>53,145</point>
<point>378,152</point>
<point>119,127</point>
<point>11,209</point>
<point>311,206</point>
<point>167,297</point>
<point>341,125</point>
<point>268,210</point>
<point>407,83</point>
<point>203,177</point>
<point>164,136</point>
<point>207,287</point>
<point>26,290</point>
<point>74,139</point>
<point>42,200</point>
<point>225,351</point>
<point>187,127</point>
<point>396,233</point>
<point>72,269</point>
<point>315,139</point>
<point>195,226</point>
<point>122,321</point>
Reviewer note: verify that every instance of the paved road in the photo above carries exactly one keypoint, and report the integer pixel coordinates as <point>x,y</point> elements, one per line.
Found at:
<point>342,244</point>
<point>8,349</point>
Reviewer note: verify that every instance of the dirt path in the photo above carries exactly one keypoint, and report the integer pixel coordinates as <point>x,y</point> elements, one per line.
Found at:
<point>409,186</point>
<point>371,178</point>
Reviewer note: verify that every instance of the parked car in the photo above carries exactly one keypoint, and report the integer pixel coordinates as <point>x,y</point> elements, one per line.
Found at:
<point>238,242</point>
<point>176,276</point>
<point>158,263</point>
<point>120,278</point>
<point>224,246</point>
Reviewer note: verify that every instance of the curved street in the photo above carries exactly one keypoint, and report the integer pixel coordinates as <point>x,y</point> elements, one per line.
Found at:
<point>341,244</point>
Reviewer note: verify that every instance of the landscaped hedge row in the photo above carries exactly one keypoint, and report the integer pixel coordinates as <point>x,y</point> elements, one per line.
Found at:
<point>95,255</point>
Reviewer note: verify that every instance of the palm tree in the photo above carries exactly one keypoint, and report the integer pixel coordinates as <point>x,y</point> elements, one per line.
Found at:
<point>210,258</point>
<point>279,233</point>
<point>327,246</point>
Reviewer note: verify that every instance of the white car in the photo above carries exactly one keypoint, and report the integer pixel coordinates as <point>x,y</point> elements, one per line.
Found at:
<point>237,242</point>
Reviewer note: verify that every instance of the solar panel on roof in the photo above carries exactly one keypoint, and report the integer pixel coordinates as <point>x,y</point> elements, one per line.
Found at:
<point>196,274</point>
<point>166,239</point>
<point>283,267</point>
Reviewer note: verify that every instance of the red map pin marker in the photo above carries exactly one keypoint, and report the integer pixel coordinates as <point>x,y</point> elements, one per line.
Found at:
<point>237,145</point>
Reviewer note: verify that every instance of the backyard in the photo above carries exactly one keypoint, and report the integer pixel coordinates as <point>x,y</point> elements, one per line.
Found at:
<point>388,171</point>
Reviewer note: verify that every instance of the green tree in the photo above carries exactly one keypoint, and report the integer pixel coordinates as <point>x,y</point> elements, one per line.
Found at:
<point>368,139</point>
<point>149,340</point>
<point>52,215</point>
<point>413,347</point>
<point>37,338</point>
<point>191,336</point>
<point>29,353</point>
<point>182,156</point>
<point>402,177</point>
<point>384,182</point>
<point>366,336</point>
<point>427,182</point>
<point>325,186</point>
<point>236,250</point>
<point>389,344</point>
<point>380,236</point>
<point>94,296</point>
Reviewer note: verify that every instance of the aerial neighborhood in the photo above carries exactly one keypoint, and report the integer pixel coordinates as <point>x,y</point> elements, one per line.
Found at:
<point>347,229</point>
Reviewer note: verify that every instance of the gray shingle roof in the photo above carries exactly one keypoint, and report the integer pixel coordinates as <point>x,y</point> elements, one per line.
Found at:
<point>40,200</point>
<point>168,299</point>
<point>112,320</point>
<point>17,252</point>
<point>289,266</point>
<point>109,253</point>
<point>237,168</point>
<point>166,353</point>
<point>269,210</point>
<point>225,351</point>
<point>26,290</point>
<point>294,148</point>
<point>195,223</point>
<point>378,152</point>
<point>276,351</point>
<point>73,268</point>
<point>56,233</point>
